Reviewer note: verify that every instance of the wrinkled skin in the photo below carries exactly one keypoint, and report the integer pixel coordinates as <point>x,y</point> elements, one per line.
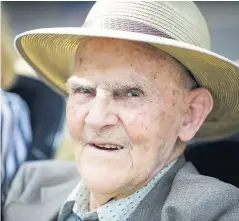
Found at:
<point>127,94</point>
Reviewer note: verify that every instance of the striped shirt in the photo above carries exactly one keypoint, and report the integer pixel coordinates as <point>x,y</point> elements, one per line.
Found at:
<point>16,137</point>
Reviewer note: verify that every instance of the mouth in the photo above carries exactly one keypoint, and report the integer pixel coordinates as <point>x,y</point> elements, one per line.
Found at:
<point>106,147</point>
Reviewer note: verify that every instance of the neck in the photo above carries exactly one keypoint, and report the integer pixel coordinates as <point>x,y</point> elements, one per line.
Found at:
<point>97,200</point>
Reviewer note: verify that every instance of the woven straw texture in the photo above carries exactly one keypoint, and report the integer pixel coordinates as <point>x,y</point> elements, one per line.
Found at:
<point>177,28</point>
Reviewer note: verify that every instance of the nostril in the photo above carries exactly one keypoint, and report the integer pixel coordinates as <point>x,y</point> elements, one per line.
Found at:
<point>99,121</point>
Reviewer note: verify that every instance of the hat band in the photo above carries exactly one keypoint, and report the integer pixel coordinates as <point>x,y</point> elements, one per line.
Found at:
<point>125,25</point>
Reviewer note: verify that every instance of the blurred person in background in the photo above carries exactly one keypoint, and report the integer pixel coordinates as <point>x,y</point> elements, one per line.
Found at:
<point>16,131</point>
<point>32,114</point>
<point>132,108</point>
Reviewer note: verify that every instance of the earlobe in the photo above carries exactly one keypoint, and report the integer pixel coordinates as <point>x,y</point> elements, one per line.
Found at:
<point>200,104</point>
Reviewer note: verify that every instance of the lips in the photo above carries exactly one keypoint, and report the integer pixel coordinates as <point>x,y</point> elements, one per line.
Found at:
<point>107,147</point>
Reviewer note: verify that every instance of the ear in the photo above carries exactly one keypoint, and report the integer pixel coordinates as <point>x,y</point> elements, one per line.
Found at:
<point>199,105</point>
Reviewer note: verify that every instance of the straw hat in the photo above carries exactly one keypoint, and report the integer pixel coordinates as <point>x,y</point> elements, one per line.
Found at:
<point>178,28</point>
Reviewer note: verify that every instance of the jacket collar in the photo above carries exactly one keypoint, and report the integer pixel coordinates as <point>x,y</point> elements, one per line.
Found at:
<point>151,206</point>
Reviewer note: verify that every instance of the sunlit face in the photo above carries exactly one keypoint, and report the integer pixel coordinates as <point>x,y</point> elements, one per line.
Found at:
<point>124,96</point>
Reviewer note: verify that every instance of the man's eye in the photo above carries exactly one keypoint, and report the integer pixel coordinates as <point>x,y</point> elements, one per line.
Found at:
<point>83,90</point>
<point>134,93</point>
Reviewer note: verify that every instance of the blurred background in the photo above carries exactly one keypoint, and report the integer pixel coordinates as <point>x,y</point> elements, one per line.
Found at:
<point>50,137</point>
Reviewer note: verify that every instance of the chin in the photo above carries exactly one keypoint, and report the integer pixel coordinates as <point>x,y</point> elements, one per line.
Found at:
<point>102,179</point>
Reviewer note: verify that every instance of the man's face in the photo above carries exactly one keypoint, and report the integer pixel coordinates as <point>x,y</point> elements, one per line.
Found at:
<point>128,97</point>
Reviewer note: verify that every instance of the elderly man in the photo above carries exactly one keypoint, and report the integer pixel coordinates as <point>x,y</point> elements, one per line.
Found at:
<point>141,85</point>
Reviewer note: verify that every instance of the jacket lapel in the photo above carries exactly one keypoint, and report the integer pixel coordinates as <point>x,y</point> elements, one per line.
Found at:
<point>52,198</point>
<point>151,206</point>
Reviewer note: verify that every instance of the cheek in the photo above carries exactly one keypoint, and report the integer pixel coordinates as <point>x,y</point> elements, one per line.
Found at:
<point>75,115</point>
<point>148,125</point>
<point>137,124</point>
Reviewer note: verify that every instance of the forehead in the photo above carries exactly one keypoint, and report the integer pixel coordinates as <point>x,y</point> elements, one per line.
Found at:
<point>122,58</point>
<point>93,47</point>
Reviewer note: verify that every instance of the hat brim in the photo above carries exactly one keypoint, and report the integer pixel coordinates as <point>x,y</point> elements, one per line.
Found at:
<point>50,52</point>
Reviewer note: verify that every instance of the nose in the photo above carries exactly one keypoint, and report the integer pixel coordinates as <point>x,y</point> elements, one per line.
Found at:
<point>100,114</point>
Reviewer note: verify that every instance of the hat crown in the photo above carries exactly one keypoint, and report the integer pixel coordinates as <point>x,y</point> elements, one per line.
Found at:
<point>181,21</point>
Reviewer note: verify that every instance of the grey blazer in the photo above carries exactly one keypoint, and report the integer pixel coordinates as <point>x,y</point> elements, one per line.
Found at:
<point>40,188</point>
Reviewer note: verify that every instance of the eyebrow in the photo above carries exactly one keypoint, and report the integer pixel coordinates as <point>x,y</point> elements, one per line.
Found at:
<point>74,80</point>
<point>116,88</point>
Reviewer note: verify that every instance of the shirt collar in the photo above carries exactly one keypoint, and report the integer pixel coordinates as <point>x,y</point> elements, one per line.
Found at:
<point>116,209</point>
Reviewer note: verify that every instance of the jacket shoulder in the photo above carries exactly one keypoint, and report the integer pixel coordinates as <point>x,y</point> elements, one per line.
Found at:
<point>33,176</point>
<point>47,170</point>
<point>199,197</point>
